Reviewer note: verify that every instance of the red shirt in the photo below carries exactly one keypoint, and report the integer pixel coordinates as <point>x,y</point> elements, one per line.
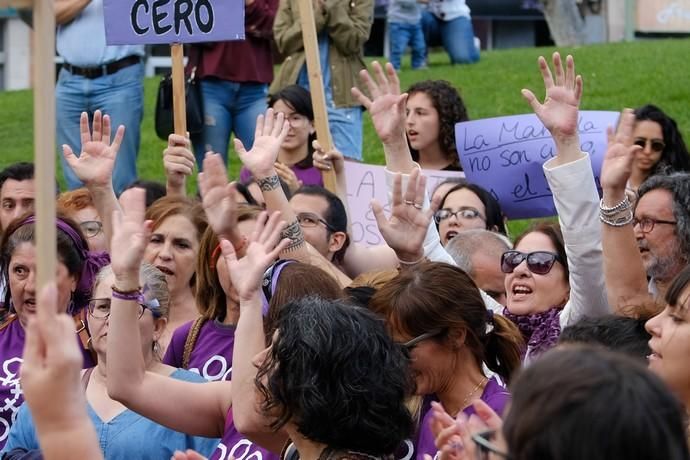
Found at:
<point>245,61</point>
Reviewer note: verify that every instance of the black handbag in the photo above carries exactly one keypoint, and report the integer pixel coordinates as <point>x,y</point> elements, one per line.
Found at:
<point>164,106</point>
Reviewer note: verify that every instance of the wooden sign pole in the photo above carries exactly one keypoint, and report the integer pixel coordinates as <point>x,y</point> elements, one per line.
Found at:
<point>44,133</point>
<point>318,95</point>
<point>179,100</point>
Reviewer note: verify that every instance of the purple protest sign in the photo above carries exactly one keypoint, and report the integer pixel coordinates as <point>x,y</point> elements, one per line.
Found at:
<point>366,182</point>
<point>133,22</point>
<point>505,156</point>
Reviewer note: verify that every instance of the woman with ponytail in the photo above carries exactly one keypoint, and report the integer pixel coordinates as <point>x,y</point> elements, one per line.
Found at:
<point>437,312</point>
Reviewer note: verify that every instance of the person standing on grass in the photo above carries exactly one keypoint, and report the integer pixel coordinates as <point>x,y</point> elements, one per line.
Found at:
<point>342,27</point>
<point>96,76</point>
<point>405,28</point>
<point>448,23</point>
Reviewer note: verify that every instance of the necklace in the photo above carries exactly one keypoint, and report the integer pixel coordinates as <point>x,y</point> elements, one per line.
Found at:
<point>474,390</point>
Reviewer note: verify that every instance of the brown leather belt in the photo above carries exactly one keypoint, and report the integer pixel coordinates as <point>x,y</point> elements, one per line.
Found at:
<point>102,70</point>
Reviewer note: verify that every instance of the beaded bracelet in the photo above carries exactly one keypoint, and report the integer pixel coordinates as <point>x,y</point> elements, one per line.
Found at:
<point>624,205</point>
<point>617,222</point>
<point>418,261</point>
<point>134,296</point>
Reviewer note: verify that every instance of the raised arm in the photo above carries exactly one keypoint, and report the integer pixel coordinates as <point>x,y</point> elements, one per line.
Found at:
<point>623,268</point>
<point>194,408</point>
<point>219,199</point>
<point>260,160</point>
<point>246,274</point>
<point>387,109</point>
<point>94,166</point>
<point>571,180</point>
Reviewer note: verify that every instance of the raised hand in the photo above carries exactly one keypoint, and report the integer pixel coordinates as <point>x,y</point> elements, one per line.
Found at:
<point>268,137</point>
<point>326,161</point>
<point>94,166</point>
<point>219,198</point>
<point>178,161</point>
<point>387,105</point>
<point>131,234</point>
<point>262,250</point>
<point>559,111</point>
<point>620,154</point>
<point>288,176</point>
<point>406,229</point>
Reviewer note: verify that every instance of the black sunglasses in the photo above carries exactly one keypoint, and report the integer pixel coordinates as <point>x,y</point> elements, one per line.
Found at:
<point>538,262</point>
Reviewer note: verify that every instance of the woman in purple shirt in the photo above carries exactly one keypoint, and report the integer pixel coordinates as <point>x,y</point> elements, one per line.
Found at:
<point>76,268</point>
<point>437,312</point>
<point>295,165</point>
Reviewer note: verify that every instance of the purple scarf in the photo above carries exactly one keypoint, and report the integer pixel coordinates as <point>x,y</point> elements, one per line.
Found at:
<point>540,330</point>
<point>93,262</point>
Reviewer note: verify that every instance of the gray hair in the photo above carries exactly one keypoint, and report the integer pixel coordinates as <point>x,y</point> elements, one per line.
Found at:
<point>153,282</point>
<point>678,185</point>
<point>463,246</point>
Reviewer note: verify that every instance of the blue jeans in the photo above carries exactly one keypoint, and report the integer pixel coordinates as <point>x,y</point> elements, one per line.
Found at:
<point>120,96</point>
<point>346,129</point>
<point>400,36</point>
<point>456,36</point>
<point>229,107</point>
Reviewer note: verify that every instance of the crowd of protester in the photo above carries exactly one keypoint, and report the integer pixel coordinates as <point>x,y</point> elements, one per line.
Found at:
<point>245,322</point>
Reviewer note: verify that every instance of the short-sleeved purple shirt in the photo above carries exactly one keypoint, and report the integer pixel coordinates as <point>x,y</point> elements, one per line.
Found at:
<point>12,340</point>
<point>494,395</point>
<point>212,359</point>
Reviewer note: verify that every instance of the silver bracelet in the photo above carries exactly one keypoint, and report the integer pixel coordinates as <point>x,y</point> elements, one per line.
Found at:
<point>621,221</point>
<point>415,262</point>
<point>624,205</point>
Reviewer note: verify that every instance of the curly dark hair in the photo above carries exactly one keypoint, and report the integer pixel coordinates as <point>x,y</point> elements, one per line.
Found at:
<point>335,373</point>
<point>451,109</point>
<point>675,156</point>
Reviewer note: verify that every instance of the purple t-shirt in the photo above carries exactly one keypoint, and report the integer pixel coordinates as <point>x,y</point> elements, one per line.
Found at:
<point>494,395</point>
<point>308,176</point>
<point>211,357</point>
<point>11,397</point>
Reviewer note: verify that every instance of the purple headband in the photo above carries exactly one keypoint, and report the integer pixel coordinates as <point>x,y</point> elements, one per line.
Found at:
<point>270,281</point>
<point>93,262</point>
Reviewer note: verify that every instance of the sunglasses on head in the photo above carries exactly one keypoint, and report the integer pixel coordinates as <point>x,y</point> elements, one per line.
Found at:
<point>655,144</point>
<point>538,262</point>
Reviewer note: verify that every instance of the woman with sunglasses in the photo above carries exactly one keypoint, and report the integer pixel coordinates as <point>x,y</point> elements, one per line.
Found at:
<point>574,403</point>
<point>123,433</point>
<point>437,312</point>
<point>467,206</point>
<point>554,275</point>
<point>662,147</point>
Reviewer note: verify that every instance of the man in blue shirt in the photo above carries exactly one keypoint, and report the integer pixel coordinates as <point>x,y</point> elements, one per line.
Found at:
<point>97,77</point>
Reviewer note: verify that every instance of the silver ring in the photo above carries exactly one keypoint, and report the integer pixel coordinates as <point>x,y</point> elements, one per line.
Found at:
<point>410,202</point>
<point>455,445</point>
<point>418,206</point>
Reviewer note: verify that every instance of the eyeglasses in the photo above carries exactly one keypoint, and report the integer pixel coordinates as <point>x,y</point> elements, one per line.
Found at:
<point>466,213</point>
<point>296,120</point>
<point>412,343</point>
<point>310,220</point>
<point>538,262</point>
<point>485,446</point>
<point>91,228</point>
<point>100,308</point>
<point>656,145</point>
<point>647,223</point>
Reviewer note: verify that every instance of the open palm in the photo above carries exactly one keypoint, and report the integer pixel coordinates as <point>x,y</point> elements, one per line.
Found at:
<point>620,154</point>
<point>218,196</point>
<point>264,246</point>
<point>559,112</point>
<point>130,235</point>
<point>269,135</point>
<point>95,164</point>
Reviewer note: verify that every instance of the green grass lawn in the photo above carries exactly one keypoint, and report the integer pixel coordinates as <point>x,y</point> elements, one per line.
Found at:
<point>615,76</point>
